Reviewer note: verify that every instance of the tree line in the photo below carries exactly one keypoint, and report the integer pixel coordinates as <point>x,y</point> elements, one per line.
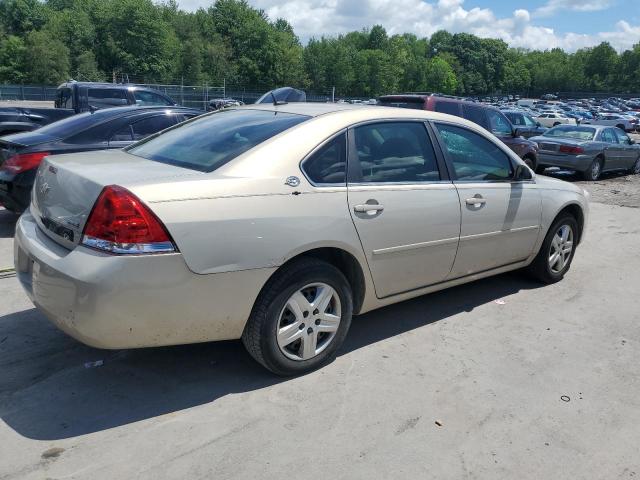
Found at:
<point>99,40</point>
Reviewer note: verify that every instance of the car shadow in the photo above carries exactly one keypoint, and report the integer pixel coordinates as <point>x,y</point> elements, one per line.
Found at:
<point>7,223</point>
<point>573,176</point>
<point>48,393</point>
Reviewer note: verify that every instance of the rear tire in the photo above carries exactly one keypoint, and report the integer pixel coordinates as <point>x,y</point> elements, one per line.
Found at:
<point>545,267</point>
<point>594,171</point>
<point>635,169</point>
<point>276,318</point>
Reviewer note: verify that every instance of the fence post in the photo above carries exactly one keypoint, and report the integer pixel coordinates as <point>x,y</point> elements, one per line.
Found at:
<point>22,91</point>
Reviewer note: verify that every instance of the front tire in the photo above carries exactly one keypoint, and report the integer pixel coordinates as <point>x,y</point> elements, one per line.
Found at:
<point>300,319</point>
<point>556,253</point>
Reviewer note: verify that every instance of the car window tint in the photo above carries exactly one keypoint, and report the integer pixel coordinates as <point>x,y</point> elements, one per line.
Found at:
<point>609,136</point>
<point>149,98</point>
<point>394,152</point>
<point>125,134</point>
<point>107,97</point>
<point>65,99</point>
<point>498,123</point>
<point>516,119</point>
<point>475,114</point>
<point>474,157</point>
<point>328,165</point>
<point>622,137</point>
<point>211,140</point>
<point>452,108</point>
<point>528,121</point>
<point>149,126</point>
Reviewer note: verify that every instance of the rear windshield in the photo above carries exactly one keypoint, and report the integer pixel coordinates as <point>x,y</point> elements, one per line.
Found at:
<point>415,103</point>
<point>209,142</point>
<point>70,125</point>
<point>581,133</point>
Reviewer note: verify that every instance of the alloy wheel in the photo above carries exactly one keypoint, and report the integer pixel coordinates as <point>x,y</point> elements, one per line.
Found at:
<point>595,170</point>
<point>636,167</point>
<point>560,249</point>
<point>309,321</point>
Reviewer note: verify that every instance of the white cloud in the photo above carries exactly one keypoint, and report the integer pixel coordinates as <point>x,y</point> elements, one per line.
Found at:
<point>315,18</point>
<point>554,6</point>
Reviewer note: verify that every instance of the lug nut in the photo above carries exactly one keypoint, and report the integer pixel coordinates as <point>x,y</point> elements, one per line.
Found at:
<point>309,330</point>
<point>315,312</point>
<point>317,321</point>
<point>305,314</point>
<point>301,327</point>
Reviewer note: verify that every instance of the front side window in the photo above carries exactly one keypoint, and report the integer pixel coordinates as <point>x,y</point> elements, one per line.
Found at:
<point>474,158</point>
<point>65,98</point>
<point>609,136</point>
<point>394,152</point>
<point>516,119</point>
<point>622,137</point>
<point>210,141</point>
<point>149,98</point>
<point>107,97</point>
<point>328,165</point>
<point>528,121</point>
<point>498,124</point>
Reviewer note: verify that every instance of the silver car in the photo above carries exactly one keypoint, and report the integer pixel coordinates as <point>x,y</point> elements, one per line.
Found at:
<point>277,223</point>
<point>590,150</point>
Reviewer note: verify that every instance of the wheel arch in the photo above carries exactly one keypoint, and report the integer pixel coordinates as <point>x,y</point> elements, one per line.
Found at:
<point>576,211</point>
<point>341,259</point>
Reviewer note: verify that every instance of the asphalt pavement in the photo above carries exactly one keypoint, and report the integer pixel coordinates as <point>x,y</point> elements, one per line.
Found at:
<point>499,379</point>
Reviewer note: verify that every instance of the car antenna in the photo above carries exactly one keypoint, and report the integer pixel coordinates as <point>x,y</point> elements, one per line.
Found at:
<point>275,101</point>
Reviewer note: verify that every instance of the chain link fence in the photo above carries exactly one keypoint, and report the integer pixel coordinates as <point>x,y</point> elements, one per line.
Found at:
<point>195,96</point>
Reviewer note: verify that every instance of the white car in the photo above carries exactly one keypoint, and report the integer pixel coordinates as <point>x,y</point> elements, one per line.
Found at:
<point>614,120</point>
<point>551,119</point>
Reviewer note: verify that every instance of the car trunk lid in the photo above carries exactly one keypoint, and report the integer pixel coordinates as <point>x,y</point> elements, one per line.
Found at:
<point>67,186</point>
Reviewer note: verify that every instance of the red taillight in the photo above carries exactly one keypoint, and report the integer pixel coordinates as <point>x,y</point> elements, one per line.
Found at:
<point>120,223</point>
<point>23,162</point>
<point>570,149</point>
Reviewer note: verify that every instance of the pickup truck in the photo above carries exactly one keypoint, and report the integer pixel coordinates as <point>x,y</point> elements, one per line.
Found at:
<point>77,97</point>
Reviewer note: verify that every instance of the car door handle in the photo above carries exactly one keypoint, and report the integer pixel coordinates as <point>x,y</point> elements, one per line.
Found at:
<point>368,207</point>
<point>475,201</point>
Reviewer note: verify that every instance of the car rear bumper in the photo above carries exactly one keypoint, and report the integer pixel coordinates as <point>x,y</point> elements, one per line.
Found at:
<point>109,301</point>
<point>579,163</point>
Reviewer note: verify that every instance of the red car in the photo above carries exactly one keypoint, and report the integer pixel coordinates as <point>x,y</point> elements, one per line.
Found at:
<point>486,116</point>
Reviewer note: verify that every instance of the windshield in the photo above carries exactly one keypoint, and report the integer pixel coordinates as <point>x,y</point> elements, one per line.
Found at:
<point>565,131</point>
<point>210,141</point>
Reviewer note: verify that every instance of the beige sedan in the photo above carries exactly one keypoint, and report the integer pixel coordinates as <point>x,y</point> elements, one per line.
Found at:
<point>275,224</point>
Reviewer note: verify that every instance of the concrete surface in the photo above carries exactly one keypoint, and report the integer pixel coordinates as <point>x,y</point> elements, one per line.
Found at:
<point>544,386</point>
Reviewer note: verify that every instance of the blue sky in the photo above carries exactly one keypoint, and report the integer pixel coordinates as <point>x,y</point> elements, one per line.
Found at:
<point>535,24</point>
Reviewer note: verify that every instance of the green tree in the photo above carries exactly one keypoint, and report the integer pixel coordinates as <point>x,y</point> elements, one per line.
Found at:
<point>46,60</point>
<point>12,56</point>
<point>440,77</point>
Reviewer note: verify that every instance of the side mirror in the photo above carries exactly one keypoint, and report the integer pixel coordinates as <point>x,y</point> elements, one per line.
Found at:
<point>517,132</point>
<point>522,173</point>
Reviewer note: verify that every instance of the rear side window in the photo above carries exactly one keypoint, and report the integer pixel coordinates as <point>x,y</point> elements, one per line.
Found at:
<point>149,98</point>
<point>148,126</point>
<point>394,152</point>
<point>452,108</point>
<point>107,97</point>
<point>65,98</point>
<point>516,119</point>
<point>474,158</point>
<point>210,141</point>
<point>609,136</point>
<point>328,165</point>
<point>476,115</point>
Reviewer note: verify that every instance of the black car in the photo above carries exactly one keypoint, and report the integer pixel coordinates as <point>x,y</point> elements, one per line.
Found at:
<point>21,153</point>
<point>78,97</point>
<point>527,126</point>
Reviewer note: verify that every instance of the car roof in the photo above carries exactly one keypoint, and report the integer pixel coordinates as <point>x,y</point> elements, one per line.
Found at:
<point>358,113</point>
